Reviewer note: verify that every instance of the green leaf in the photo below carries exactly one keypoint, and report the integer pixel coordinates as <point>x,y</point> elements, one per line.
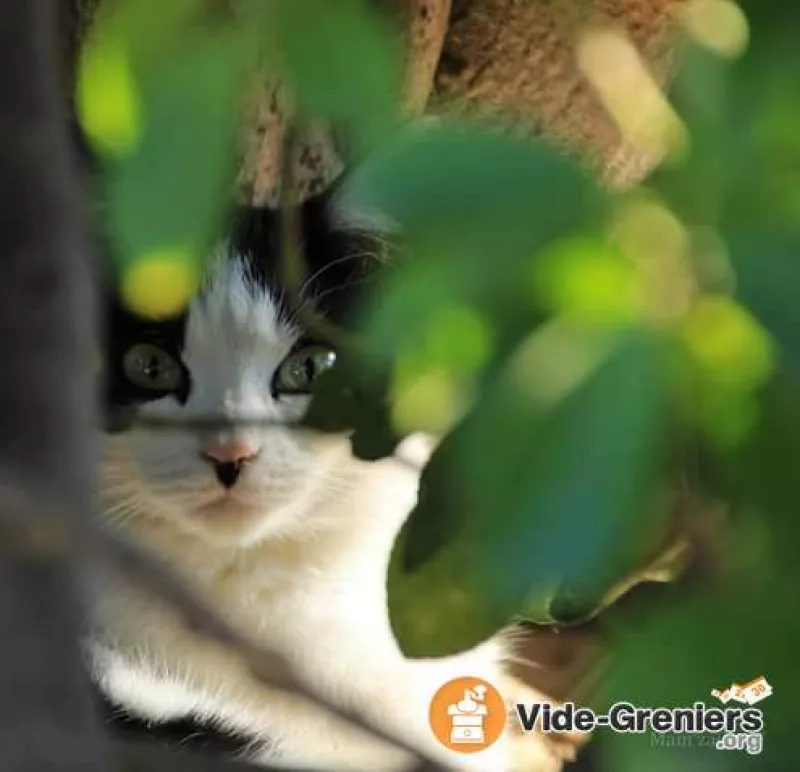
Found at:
<point>766,264</point>
<point>763,119</point>
<point>352,398</point>
<point>550,478</point>
<point>174,189</point>
<point>476,208</point>
<point>469,187</point>
<point>567,604</point>
<point>761,475</point>
<point>343,62</point>
<point>742,628</point>
<point>742,116</point>
<point>160,96</point>
<point>697,186</point>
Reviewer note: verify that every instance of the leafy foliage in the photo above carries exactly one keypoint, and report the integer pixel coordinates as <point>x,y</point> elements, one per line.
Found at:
<point>573,347</point>
<point>507,509</point>
<point>168,132</point>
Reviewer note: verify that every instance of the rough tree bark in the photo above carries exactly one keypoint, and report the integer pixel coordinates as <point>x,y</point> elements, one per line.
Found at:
<point>517,58</point>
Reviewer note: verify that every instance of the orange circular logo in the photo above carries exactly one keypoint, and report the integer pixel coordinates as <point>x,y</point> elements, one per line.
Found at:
<point>467,715</point>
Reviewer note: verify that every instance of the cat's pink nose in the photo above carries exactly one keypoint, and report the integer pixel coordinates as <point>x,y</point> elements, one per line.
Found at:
<point>236,452</point>
<point>227,459</point>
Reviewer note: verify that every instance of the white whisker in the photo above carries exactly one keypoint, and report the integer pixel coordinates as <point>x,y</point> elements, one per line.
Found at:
<point>339,261</point>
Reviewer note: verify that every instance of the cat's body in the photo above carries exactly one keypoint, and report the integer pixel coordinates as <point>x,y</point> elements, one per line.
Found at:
<point>280,530</point>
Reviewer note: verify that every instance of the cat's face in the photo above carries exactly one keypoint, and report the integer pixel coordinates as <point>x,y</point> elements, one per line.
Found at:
<point>239,352</point>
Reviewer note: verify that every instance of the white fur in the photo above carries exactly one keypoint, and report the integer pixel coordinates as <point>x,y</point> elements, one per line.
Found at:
<point>294,555</point>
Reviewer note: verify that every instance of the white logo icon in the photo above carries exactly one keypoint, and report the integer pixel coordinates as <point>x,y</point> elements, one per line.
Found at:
<point>750,693</point>
<point>467,717</point>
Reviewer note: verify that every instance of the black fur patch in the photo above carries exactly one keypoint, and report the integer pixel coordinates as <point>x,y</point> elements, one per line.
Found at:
<point>339,266</point>
<point>121,330</point>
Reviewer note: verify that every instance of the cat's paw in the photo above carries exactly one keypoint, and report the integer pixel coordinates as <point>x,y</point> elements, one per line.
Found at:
<point>537,751</point>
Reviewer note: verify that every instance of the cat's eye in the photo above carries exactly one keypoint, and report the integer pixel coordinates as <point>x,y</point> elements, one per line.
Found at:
<point>151,367</point>
<point>297,373</point>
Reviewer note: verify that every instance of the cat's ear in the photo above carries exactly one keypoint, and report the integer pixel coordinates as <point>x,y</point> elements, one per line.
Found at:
<point>349,202</point>
<point>348,215</point>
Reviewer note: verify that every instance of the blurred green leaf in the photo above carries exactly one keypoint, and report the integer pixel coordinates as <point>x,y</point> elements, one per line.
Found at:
<point>473,189</point>
<point>741,625</point>
<point>730,634</point>
<point>762,119</point>
<point>549,478</point>
<point>164,199</point>
<point>343,62</point>
<point>352,398</point>
<point>743,119</point>
<point>766,264</point>
<point>475,208</point>
<point>565,604</point>
<point>174,189</point>
<point>761,475</point>
<point>696,186</point>
<point>441,274</point>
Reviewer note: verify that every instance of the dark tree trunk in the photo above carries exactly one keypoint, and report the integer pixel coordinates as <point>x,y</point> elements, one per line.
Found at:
<point>46,408</point>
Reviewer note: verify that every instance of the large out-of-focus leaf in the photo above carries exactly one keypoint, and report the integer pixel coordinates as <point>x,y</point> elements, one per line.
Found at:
<point>550,476</point>
<point>742,115</point>
<point>761,474</point>
<point>696,186</point>
<point>745,628</point>
<point>441,313</point>
<point>475,207</point>
<point>468,187</point>
<point>342,62</point>
<point>746,624</point>
<point>173,190</point>
<point>160,98</point>
<point>352,398</point>
<point>562,604</point>
<point>461,293</point>
<point>767,269</point>
<point>761,120</point>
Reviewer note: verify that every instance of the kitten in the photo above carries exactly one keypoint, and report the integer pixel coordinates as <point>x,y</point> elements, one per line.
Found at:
<point>280,529</point>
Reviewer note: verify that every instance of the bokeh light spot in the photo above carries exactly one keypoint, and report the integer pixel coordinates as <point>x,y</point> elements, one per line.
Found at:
<point>657,243</point>
<point>728,344</point>
<point>109,104</point>
<point>588,280</point>
<point>430,402</point>
<point>720,25</point>
<point>160,284</point>
<point>459,338</point>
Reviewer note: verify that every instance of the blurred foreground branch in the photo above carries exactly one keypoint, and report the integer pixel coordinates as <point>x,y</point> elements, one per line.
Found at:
<point>270,668</point>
